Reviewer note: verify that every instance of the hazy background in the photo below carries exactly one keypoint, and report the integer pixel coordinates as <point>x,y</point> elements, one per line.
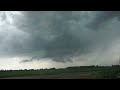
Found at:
<point>45,39</point>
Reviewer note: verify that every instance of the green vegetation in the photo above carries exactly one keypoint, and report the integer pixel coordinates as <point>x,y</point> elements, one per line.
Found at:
<point>95,72</point>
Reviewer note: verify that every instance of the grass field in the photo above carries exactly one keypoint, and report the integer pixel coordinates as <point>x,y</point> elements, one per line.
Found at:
<point>82,72</point>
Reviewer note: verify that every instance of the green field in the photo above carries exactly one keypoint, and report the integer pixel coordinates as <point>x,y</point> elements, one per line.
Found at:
<point>82,72</point>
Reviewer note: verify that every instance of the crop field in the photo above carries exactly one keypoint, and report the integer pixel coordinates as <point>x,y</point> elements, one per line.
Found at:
<point>82,72</point>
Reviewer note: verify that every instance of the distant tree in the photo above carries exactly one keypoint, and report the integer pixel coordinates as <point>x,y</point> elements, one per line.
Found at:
<point>52,68</point>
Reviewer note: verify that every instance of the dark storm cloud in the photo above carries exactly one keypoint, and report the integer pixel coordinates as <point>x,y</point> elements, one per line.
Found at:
<point>58,35</point>
<point>102,17</point>
<point>66,44</point>
<point>63,44</point>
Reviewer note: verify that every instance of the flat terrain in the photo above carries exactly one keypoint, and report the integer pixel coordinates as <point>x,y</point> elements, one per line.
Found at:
<point>81,72</point>
<point>59,76</point>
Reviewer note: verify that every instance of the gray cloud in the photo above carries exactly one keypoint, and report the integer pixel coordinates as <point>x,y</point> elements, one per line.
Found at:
<point>103,17</point>
<point>28,60</point>
<point>64,44</point>
<point>59,35</point>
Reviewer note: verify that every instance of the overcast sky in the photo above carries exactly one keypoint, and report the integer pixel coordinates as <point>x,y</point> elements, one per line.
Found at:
<point>46,39</point>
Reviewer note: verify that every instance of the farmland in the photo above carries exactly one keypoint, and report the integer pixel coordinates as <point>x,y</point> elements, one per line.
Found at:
<point>79,72</point>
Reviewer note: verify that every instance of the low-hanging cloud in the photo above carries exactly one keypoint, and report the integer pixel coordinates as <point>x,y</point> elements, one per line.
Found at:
<point>60,35</point>
<point>52,32</point>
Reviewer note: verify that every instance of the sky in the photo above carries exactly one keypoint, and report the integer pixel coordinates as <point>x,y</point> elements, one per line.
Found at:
<point>47,39</point>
